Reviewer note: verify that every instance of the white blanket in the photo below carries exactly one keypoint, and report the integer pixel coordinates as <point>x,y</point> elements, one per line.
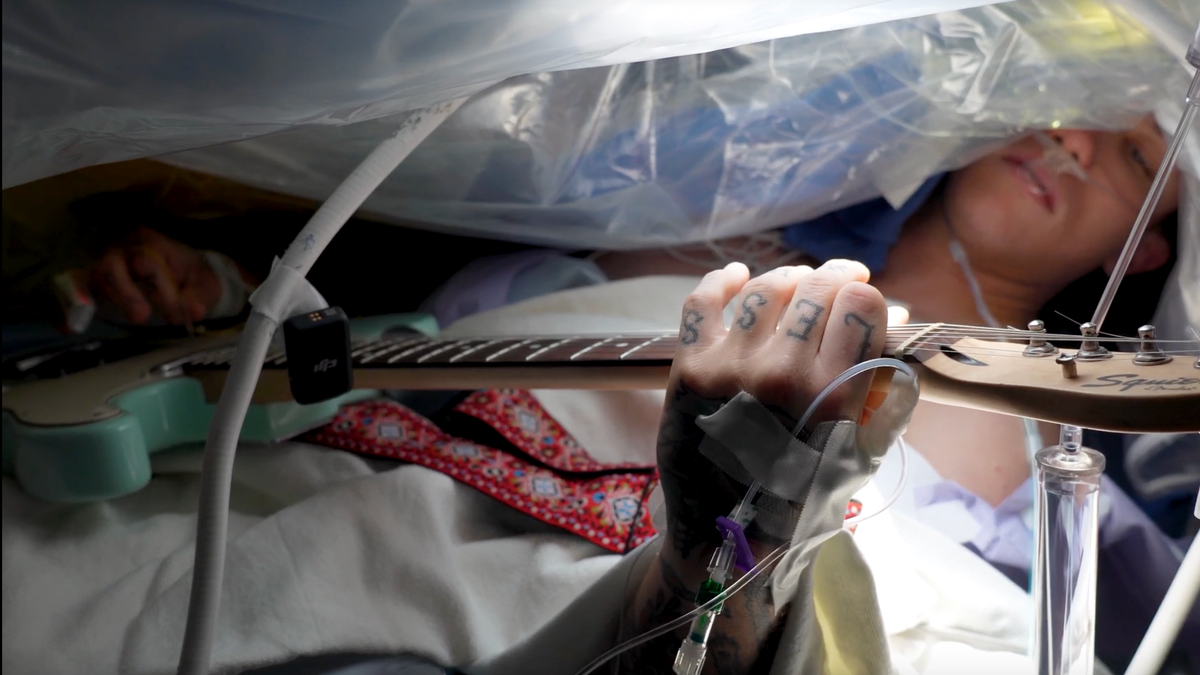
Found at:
<point>333,552</point>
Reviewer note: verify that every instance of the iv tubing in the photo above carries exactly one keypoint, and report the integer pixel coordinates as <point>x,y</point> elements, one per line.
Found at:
<point>778,553</point>
<point>221,444</point>
<point>1169,618</point>
<point>1156,190</point>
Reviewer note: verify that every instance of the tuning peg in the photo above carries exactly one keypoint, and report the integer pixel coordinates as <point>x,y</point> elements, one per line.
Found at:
<point>1038,347</point>
<point>1148,353</point>
<point>1091,350</point>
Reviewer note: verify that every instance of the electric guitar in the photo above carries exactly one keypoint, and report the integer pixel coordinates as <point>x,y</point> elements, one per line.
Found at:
<point>88,435</point>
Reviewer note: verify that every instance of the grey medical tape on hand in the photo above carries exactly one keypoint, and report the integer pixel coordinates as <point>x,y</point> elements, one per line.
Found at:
<point>745,440</point>
<point>749,443</point>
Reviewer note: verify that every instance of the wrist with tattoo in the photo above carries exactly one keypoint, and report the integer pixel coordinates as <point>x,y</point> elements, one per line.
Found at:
<point>696,492</point>
<point>744,636</point>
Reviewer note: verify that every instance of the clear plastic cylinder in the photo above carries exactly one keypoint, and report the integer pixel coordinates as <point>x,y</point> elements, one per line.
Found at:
<point>1064,586</point>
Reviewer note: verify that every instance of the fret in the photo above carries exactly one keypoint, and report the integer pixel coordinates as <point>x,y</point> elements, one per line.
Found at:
<point>441,350</point>
<point>492,357</point>
<point>563,350</point>
<point>360,344</point>
<point>362,348</point>
<point>366,348</point>
<point>465,353</point>
<point>589,348</point>
<point>524,351</point>
<point>413,350</point>
<point>903,349</point>
<point>547,348</point>
<point>644,344</point>
<point>393,346</point>
<point>613,349</point>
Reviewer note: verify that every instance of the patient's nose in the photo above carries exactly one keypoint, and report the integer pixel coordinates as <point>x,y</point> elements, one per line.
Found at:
<point>1080,143</point>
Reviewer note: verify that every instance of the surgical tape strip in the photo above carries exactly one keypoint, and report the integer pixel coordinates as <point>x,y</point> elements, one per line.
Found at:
<point>285,293</point>
<point>746,441</point>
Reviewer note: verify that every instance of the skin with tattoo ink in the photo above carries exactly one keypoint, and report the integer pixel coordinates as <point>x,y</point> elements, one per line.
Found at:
<point>812,312</point>
<point>691,328</point>
<point>748,317</point>
<point>868,329</point>
<point>784,369</point>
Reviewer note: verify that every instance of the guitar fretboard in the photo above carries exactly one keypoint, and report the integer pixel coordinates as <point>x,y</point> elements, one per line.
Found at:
<point>418,352</point>
<point>427,352</point>
<point>982,368</point>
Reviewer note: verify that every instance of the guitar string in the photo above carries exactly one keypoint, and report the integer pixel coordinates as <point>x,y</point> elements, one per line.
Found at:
<point>665,355</point>
<point>656,342</point>
<point>925,334</point>
<point>944,330</point>
<point>665,350</point>
<point>894,332</point>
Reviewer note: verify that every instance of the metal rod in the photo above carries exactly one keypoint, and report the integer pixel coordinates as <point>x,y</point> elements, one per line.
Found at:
<point>1156,190</point>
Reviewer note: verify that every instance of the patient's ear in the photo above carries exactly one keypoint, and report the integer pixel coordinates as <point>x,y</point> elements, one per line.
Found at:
<point>1152,253</point>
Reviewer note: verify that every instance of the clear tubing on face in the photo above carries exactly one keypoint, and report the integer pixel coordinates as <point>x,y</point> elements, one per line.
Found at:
<point>1192,102</point>
<point>1064,570</point>
<point>1058,160</point>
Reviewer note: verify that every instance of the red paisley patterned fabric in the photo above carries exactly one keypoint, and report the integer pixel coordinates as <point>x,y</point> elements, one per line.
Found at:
<point>558,482</point>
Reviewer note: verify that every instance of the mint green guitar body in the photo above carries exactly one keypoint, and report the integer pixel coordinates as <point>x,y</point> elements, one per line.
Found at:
<point>91,450</point>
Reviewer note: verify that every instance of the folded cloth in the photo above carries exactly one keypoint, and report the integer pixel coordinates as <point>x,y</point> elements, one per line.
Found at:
<point>495,281</point>
<point>544,473</point>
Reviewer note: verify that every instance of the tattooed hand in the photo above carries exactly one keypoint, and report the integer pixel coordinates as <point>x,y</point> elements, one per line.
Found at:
<point>794,330</point>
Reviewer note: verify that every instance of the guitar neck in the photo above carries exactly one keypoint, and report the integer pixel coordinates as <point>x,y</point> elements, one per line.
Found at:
<point>640,361</point>
<point>973,367</point>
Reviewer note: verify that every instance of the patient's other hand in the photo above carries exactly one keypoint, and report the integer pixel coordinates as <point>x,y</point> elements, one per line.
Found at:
<point>151,275</point>
<point>794,330</point>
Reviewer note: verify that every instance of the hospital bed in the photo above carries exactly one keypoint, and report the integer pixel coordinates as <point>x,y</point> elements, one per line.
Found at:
<point>589,192</point>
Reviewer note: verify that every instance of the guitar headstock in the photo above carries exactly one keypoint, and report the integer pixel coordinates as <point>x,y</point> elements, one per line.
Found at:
<point>1155,389</point>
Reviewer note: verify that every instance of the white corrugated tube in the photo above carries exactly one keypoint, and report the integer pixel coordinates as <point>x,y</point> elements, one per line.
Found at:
<point>270,305</point>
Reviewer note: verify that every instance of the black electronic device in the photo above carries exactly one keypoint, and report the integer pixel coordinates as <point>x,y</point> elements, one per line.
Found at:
<point>318,355</point>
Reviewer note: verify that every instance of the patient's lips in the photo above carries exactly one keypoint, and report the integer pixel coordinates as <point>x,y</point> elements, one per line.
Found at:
<point>1035,176</point>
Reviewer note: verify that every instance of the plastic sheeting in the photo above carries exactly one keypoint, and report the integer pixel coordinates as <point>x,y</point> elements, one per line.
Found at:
<point>742,139</point>
<point>633,154</point>
<point>93,82</point>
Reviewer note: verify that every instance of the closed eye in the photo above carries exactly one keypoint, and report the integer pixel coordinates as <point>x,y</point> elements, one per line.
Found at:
<point>1135,154</point>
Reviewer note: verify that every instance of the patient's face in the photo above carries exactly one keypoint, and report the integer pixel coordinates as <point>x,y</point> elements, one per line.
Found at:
<point>1010,210</point>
